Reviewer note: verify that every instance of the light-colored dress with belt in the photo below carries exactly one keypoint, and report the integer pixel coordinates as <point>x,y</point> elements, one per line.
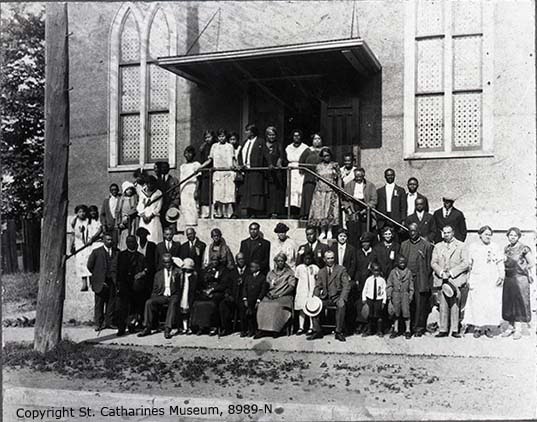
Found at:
<point>297,179</point>
<point>223,155</point>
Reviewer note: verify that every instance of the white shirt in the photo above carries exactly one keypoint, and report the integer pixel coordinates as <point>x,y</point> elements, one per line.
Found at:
<point>108,251</point>
<point>368,251</point>
<point>347,175</point>
<point>411,203</point>
<point>184,294</point>
<point>446,212</point>
<point>112,203</point>
<point>369,293</point>
<point>168,244</point>
<point>341,253</point>
<point>247,151</point>
<point>389,193</point>
<point>142,250</point>
<point>420,215</point>
<point>167,282</point>
<point>359,190</point>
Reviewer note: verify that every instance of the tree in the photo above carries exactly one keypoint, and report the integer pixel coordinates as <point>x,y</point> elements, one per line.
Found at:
<point>22,40</point>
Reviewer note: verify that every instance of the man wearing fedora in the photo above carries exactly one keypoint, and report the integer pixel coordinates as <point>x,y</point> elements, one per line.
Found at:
<point>167,246</point>
<point>165,292</point>
<point>169,186</point>
<point>450,264</point>
<point>332,287</point>
<point>448,215</point>
<point>193,248</point>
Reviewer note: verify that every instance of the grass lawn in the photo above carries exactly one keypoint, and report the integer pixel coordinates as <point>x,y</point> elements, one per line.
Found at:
<point>19,293</point>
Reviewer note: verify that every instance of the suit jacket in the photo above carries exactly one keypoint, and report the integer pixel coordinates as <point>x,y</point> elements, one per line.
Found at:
<point>318,253</point>
<point>102,267</point>
<point>370,196</point>
<point>192,287</point>
<point>386,256</point>
<point>171,198</point>
<point>349,258</point>
<point>108,220</point>
<point>452,258</point>
<point>363,262</point>
<point>334,287</point>
<point>161,250</point>
<point>455,219</point>
<point>254,288</point>
<point>128,265</point>
<point>159,285</point>
<point>426,227</point>
<point>257,250</point>
<point>234,283</point>
<point>196,253</point>
<point>254,181</point>
<point>150,263</point>
<point>398,202</point>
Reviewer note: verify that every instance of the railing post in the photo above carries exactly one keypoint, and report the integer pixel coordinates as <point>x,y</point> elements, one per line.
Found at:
<point>288,192</point>
<point>368,223</point>
<point>211,194</point>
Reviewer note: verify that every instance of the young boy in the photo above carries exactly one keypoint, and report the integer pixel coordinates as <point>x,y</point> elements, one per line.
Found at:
<point>253,290</point>
<point>400,291</point>
<point>374,294</point>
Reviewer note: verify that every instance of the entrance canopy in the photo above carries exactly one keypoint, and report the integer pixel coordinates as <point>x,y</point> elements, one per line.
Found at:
<point>308,60</point>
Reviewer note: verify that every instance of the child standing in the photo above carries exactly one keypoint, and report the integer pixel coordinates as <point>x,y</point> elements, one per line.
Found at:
<point>223,155</point>
<point>374,294</point>
<point>400,291</point>
<point>306,274</point>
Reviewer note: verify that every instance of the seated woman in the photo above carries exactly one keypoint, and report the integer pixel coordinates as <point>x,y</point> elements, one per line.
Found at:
<point>275,309</point>
<point>209,293</point>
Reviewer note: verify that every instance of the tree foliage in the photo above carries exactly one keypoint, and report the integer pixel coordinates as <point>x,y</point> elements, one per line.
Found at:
<point>22,39</point>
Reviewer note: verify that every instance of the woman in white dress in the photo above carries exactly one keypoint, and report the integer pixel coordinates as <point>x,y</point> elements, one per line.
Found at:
<point>294,151</point>
<point>306,275</point>
<point>284,245</point>
<point>95,228</point>
<point>484,305</point>
<point>222,154</point>
<point>149,214</point>
<point>189,189</point>
<point>81,238</point>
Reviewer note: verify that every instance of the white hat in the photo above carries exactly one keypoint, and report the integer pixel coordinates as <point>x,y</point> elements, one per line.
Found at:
<point>189,264</point>
<point>126,185</point>
<point>172,215</point>
<point>313,306</point>
<point>178,261</point>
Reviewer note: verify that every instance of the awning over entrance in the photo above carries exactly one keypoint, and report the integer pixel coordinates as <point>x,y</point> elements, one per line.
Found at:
<point>307,60</point>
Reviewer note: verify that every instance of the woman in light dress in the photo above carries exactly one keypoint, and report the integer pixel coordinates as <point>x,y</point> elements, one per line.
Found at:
<point>222,154</point>
<point>189,189</point>
<point>81,237</point>
<point>306,275</point>
<point>284,245</point>
<point>149,205</point>
<point>95,228</point>
<point>483,308</point>
<point>293,152</point>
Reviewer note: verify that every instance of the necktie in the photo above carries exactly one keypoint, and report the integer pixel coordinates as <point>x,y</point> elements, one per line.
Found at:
<point>168,246</point>
<point>247,158</point>
<point>375,288</point>
<point>329,272</point>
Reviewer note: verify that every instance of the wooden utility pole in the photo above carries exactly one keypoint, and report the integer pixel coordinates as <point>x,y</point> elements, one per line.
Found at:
<point>48,324</point>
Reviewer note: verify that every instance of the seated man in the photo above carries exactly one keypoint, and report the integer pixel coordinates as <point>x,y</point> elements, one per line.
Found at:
<point>233,289</point>
<point>165,292</point>
<point>332,287</point>
<point>254,288</point>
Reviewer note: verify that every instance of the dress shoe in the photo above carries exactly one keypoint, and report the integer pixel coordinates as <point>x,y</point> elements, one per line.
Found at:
<point>408,335</point>
<point>418,334</point>
<point>314,336</point>
<point>121,333</point>
<point>456,334</point>
<point>244,334</point>
<point>380,334</point>
<point>442,334</point>
<point>299,332</point>
<point>213,332</point>
<point>477,333</point>
<point>394,334</point>
<point>167,333</point>
<point>489,333</point>
<point>340,337</point>
<point>258,335</point>
<point>251,333</point>
<point>145,332</point>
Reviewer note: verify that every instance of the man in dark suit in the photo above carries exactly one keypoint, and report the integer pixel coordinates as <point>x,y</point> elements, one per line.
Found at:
<point>254,288</point>
<point>193,248</point>
<point>391,200</point>
<point>109,212</point>
<point>148,250</point>
<point>412,195</point>
<point>253,154</point>
<point>424,221</point>
<point>332,287</point>
<point>168,245</point>
<point>345,253</point>
<point>448,215</point>
<point>233,282</point>
<point>165,292</point>
<point>255,248</point>
<point>365,256</point>
<point>102,263</point>
<point>356,214</point>
<point>131,273</point>
<point>165,181</point>
<point>313,246</point>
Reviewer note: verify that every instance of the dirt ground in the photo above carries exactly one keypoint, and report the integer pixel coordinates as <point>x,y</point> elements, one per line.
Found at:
<point>427,383</point>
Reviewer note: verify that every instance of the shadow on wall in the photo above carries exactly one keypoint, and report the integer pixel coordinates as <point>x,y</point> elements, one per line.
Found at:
<point>370,93</point>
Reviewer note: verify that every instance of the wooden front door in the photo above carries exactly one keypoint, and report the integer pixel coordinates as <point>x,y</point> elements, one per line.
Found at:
<point>340,126</point>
